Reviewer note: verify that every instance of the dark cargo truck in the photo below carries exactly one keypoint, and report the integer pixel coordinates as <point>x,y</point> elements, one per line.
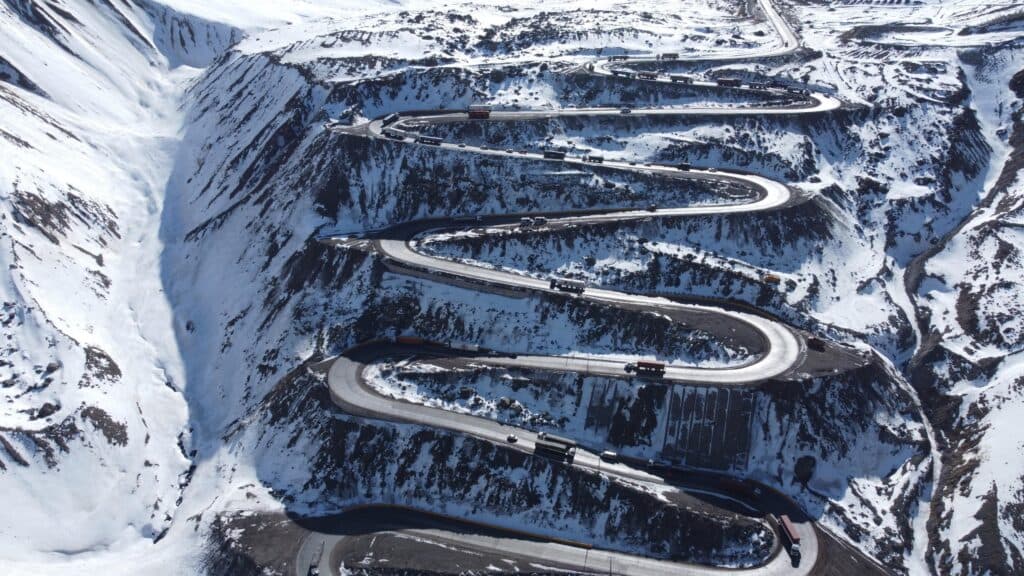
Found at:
<point>479,111</point>
<point>429,140</point>
<point>554,450</point>
<point>791,538</point>
<point>567,285</point>
<point>646,368</point>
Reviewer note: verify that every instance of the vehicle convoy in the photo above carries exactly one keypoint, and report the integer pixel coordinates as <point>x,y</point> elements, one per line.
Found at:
<point>790,538</point>
<point>568,285</point>
<point>479,111</point>
<point>646,368</point>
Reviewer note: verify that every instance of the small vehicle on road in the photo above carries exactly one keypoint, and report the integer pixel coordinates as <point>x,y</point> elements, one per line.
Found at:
<point>510,151</point>
<point>512,438</point>
<point>652,207</point>
<point>625,111</point>
<point>609,456</point>
<point>462,144</point>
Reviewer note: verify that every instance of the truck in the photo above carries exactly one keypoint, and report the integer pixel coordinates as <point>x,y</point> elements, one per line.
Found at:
<point>479,111</point>
<point>394,134</point>
<point>683,78</point>
<point>540,221</point>
<point>647,75</point>
<point>429,140</point>
<point>646,368</point>
<point>684,166</point>
<point>593,159</point>
<point>554,450</point>
<point>390,119</point>
<point>669,56</point>
<point>790,537</point>
<point>618,58</point>
<point>622,73</point>
<point>465,346</point>
<point>525,222</point>
<point>609,456</point>
<point>771,279</point>
<point>569,442</point>
<point>568,285</point>
<point>552,154</point>
<point>730,82</point>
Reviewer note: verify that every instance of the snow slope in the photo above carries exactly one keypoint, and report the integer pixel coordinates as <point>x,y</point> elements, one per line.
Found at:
<point>165,172</point>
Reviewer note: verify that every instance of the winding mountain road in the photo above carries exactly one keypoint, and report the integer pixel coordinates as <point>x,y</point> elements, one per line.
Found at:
<point>781,349</point>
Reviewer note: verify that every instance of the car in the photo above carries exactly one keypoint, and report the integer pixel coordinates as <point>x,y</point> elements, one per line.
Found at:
<point>542,435</point>
<point>652,207</point>
<point>609,456</point>
<point>462,144</point>
<point>510,151</point>
<point>625,111</point>
<point>512,438</point>
<point>632,163</point>
<point>712,170</point>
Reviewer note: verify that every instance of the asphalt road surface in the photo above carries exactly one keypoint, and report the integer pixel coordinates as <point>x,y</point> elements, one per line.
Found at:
<point>781,348</point>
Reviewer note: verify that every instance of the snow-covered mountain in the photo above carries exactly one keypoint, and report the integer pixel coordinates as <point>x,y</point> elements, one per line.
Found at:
<point>166,173</point>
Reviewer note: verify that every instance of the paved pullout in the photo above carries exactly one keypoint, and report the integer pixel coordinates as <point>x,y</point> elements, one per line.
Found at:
<point>781,348</point>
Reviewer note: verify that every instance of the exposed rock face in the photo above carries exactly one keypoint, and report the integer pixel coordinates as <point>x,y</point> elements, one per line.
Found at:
<point>166,175</point>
